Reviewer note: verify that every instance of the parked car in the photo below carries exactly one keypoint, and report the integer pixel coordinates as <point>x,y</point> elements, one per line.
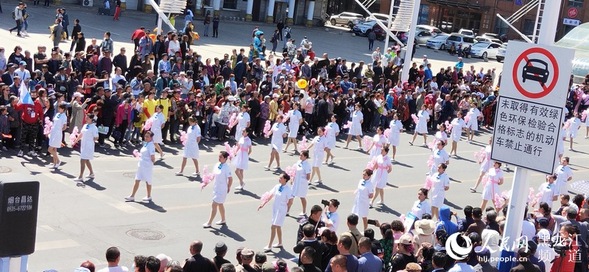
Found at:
<point>491,35</point>
<point>501,52</point>
<point>431,29</point>
<point>457,39</point>
<point>485,50</point>
<point>438,42</point>
<point>466,32</point>
<point>384,18</point>
<point>487,39</point>
<point>346,18</point>
<point>422,37</point>
<point>362,29</point>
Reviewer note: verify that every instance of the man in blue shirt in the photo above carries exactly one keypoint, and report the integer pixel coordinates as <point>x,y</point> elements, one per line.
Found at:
<point>343,246</point>
<point>368,262</point>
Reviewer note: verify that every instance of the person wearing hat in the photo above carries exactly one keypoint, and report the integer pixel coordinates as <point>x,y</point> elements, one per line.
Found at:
<point>405,253</point>
<point>424,233</point>
<point>197,262</point>
<point>22,71</point>
<point>247,258</point>
<point>413,267</point>
<point>220,252</point>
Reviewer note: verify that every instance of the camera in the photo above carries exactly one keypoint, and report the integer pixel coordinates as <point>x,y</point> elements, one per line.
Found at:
<point>371,222</point>
<point>560,249</point>
<point>325,202</point>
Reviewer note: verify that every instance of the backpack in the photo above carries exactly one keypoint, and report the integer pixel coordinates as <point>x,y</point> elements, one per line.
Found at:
<point>13,15</point>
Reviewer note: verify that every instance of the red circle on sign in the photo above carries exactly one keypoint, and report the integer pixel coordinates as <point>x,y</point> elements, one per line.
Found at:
<point>572,12</point>
<point>546,89</point>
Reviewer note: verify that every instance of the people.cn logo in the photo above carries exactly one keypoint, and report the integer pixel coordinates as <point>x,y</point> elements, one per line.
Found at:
<point>456,249</point>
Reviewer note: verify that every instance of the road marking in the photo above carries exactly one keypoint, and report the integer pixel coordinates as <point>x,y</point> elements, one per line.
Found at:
<point>56,244</point>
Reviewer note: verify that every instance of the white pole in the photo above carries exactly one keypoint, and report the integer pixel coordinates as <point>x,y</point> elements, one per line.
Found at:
<point>310,10</point>
<point>410,41</point>
<point>520,186</point>
<point>386,41</point>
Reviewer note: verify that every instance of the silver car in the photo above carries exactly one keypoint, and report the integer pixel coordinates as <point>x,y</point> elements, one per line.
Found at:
<point>346,18</point>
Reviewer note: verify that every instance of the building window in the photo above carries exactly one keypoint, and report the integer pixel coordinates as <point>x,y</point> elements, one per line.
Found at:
<point>529,26</point>
<point>230,4</point>
<point>576,3</point>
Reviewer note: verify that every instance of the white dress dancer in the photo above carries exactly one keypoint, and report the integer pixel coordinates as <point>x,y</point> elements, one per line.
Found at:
<point>300,182</point>
<point>89,133</point>
<point>574,125</point>
<point>145,165</point>
<point>278,129</point>
<point>319,144</point>
<point>458,125</point>
<point>364,192</point>
<point>331,131</point>
<point>485,165</point>
<point>491,187</point>
<point>356,126</point>
<point>158,120</point>
<point>56,134</point>
<point>473,116</point>
<point>381,173</point>
<point>440,184</point>
<point>243,121</point>
<point>222,173</point>
<point>547,191</point>
<point>378,141</point>
<point>240,162</point>
<point>294,117</point>
<point>191,148</point>
<point>439,155</point>
<point>422,119</point>
<point>282,195</point>
<point>395,134</point>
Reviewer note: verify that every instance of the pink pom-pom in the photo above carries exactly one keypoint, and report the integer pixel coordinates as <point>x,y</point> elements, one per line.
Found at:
<point>481,155</point>
<point>448,126</point>
<point>136,153</point>
<point>303,144</point>
<point>467,118</point>
<point>387,133</point>
<point>432,144</point>
<point>402,217</point>
<point>429,183</point>
<point>371,164</point>
<point>232,120</point>
<point>485,180</point>
<point>265,198</point>
<point>430,161</point>
<point>498,200</point>
<point>206,177</point>
<point>584,115</point>
<point>506,194</point>
<point>415,119</point>
<point>148,124</point>
<point>291,171</point>
<point>286,117</point>
<point>74,136</point>
<point>348,125</point>
<point>267,128</point>
<point>48,126</point>
<point>229,149</point>
<point>183,137</point>
<point>366,142</point>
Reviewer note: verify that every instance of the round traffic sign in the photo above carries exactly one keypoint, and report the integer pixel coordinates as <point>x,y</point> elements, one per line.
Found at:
<point>535,69</point>
<point>572,12</point>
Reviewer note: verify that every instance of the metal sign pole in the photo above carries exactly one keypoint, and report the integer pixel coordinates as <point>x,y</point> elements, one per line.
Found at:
<point>520,186</point>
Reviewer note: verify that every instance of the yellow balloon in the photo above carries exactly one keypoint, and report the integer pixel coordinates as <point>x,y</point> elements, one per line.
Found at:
<point>302,83</point>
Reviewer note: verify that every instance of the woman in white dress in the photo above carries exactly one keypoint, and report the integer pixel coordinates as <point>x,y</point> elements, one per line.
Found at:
<point>332,131</point>
<point>278,132</point>
<point>494,179</point>
<point>282,194</point>
<point>244,149</point>
<point>378,141</point>
<point>485,163</point>
<point>221,188</point>
<point>382,168</point>
<point>318,145</point>
<point>158,121</point>
<point>295,120</point>
<point>300,182</point>
<point>441,135</point>
<point>145,167</point>
<point>420,207</point>
<point>88,135</point>
<point>421,126</point>
<point>356,126</point>
<point>243,121</point>
<point>457,128</point>
<point>56,135</point>
<point>440,184</point>
<point>574,125</point>
<point>548,190</point>
<point>439,155</point>
<point>473,116</point>
<point>364,192</point>
<point>396,128</point>
<point>191,148</point>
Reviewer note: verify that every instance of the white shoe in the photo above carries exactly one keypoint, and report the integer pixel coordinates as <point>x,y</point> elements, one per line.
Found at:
<point>90,176</point>
<point>196,174</point>
<point>129,199</point>
<point>179,174</point>
<point>52,166</point>
<point>78,180</point>
<point>220,223</point>
<point>146,199</point>
<point>206,225</point>
<point>20,153</point>
<point>239,188</point>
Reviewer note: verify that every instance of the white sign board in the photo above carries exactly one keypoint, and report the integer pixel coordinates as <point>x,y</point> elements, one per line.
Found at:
<point>571,22</point>
<point>529,113</point>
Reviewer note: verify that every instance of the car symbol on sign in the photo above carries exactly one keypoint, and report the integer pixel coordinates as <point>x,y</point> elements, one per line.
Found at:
<point>536,70</point>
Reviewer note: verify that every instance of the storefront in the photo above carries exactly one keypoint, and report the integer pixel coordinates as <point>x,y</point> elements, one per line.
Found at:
<point>452,15</point>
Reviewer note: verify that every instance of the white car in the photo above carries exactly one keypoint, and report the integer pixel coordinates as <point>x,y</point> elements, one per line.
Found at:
<point>383,18</point>
<point>363,28</point>
<point>488,39</point>
<point>485,50</point>
<point>431,29</point>
<point>346,18</point>
<point>466,32</point>
<point>501,53</point>
<point>438,42</point>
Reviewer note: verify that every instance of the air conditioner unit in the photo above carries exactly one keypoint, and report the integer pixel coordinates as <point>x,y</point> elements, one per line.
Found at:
<point>87,3</point>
